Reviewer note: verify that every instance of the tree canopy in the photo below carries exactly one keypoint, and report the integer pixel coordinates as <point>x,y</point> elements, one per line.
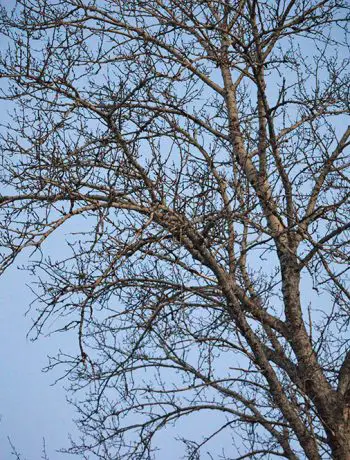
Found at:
<point>191,157</point>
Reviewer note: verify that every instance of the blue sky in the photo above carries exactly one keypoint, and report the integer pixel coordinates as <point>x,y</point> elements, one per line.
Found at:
<point>30,407</point>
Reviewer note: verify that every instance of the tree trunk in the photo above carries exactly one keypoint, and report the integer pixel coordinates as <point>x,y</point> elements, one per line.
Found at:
<point>340,440</point>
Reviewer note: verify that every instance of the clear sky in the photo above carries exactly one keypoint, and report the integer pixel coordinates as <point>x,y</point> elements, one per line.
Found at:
<point>30,407</point>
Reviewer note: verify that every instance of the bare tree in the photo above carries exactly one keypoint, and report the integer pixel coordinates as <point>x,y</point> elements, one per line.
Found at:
<point>190,155</point>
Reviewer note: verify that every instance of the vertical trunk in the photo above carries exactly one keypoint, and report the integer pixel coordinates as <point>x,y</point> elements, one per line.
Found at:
<point>316,384</point>
<point>328,402</point>
<point>340,439</point>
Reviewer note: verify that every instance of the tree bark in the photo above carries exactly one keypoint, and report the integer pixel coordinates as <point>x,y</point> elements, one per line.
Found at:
<point>340,440</point>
